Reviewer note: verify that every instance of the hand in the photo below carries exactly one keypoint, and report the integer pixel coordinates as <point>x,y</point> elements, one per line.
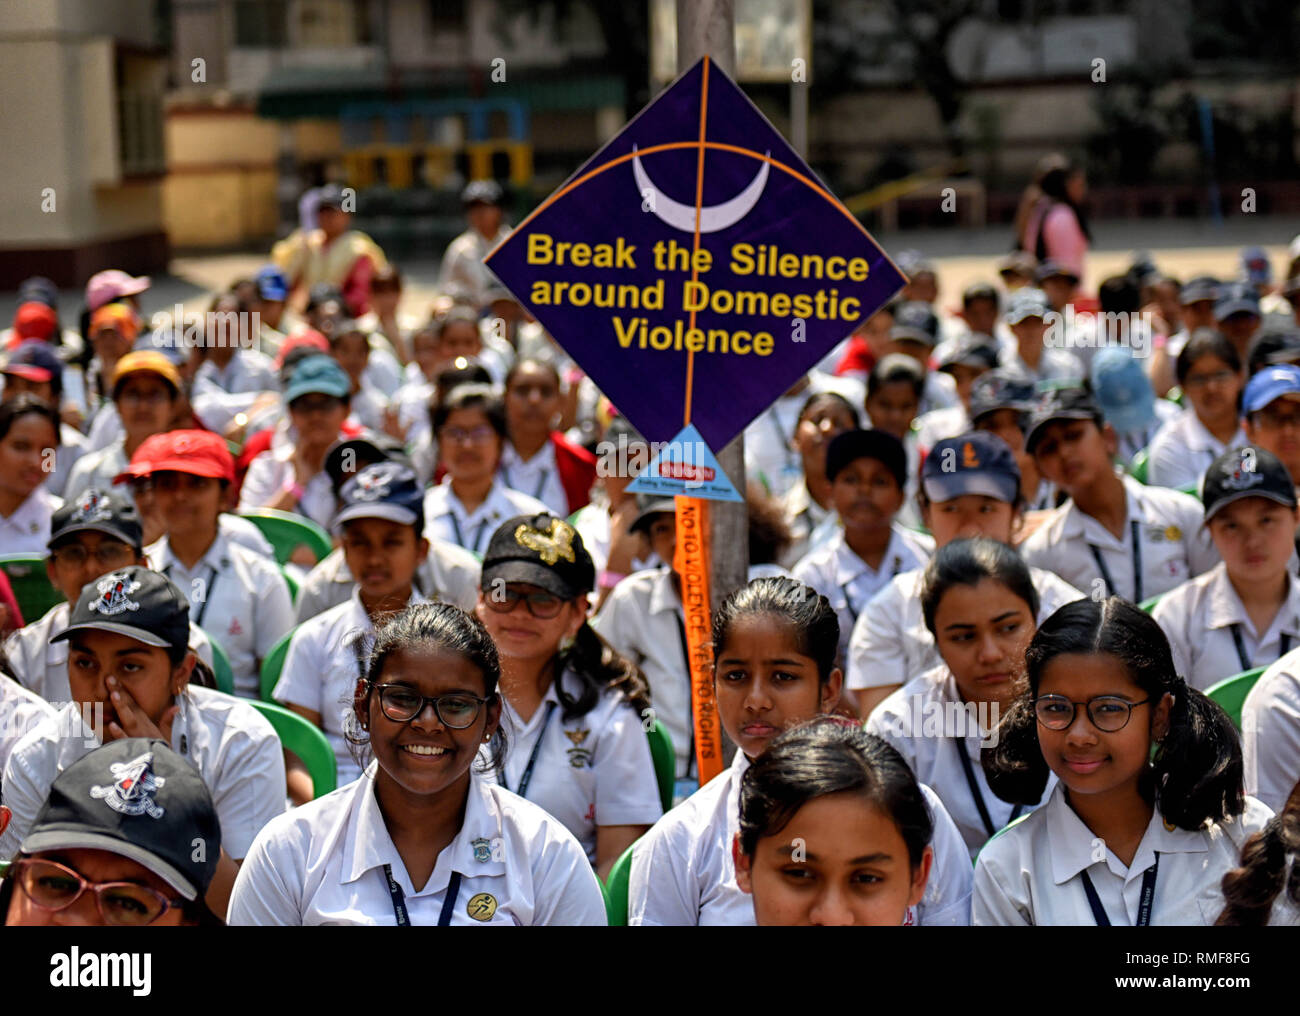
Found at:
<point>132,720</point>
<point>393,425</point>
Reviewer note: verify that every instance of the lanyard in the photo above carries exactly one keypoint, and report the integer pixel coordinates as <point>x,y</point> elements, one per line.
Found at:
<point>989,827</point>
<point>460,539</point>
<point>844,588</point>
<point>1240,643</point>
<point>527,777</point>
<point>1144,905</point>
<point>399,899</point>
<point>209,584</point>
<point>690,718</point>
<point>1137,565</point>
<point>541,481</point>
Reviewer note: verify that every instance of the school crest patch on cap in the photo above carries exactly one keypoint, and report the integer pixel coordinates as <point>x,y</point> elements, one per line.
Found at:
<point>482,907</point>
<point>133,787</point>
<point>372,485</point>
<point>1244,476</point>
<point>551,545</point>
<point>115,595</point>
<point>91,508</point>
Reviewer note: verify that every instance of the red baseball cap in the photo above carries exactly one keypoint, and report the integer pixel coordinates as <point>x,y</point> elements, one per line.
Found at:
<point>308,337</point>
<point>197,452</point>
<point>33,321</point>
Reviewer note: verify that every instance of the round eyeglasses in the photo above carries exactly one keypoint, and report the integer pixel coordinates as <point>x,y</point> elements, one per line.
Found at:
<point>402,704</point>
<point>1108,713</point>
<point>53,886</point>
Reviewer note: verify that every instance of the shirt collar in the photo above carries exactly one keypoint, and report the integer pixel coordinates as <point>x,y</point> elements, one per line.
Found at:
<point>359,610</point>
<point>662,596</point>
<point>848,566</point>
<point>216,557</point>
<point>1225,607</point>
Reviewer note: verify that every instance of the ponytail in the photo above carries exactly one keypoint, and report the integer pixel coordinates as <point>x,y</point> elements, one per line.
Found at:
<point>1250,890</point>
<point>598,666</point>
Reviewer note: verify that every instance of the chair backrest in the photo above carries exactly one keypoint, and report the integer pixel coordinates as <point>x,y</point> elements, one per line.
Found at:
<point>291,582</point>
<point>661,751</point>
<point>1231,692</point>
<point>1138,467</point>
<point>274,663</point>
<point>305,740</point>
<point>616,888</point>
<point>287,532</point>
<point>31,585</point>
<point>1149,604</point>
<point>221,668</point>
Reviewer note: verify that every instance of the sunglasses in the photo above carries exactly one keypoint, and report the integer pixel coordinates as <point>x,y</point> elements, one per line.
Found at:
<point>542,606</point>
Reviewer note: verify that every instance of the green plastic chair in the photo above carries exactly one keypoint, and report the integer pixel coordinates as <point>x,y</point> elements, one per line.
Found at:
<point>306,741</point>
<point>1149,604</point>
<point>291,582</point>
<point>1138,467</point>
<point>287,532</point>
<point>661,751</point>
<point>616,889</point>
<point>273,664</point>
<point>221,668</point>
<point>1231,693</point>
<point>32,587</point>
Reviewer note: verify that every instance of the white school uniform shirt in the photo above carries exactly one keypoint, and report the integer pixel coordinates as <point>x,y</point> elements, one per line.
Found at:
<point>1270,732</point>
<point>449,574</point>
<point>590,771</point>
<point>683,873</point>
<point>890,643</point>
<point>920,721</point>
<point>235,750</point>
<point>266,477</point>
<point>1130,442</point>
<point>803,515</point>
<point>323,863</point>
<point>1056,365</point>
<point>41,666</point>
<point>642,618</point>
<point>539,477</point>
<point>97,469</point>
<point>21,711</point>
<point>1204,618</point>
<point>72,446</point>
<point>445,518</point>
<point>1183,450</point>
<point>240,599</point>
<point>938,424</point>
<point>320,672</point>
<point>1173,545</point>
<point>27,530</point>
<point>247,371</point>
<point>1031,872</point>
<point>849,583</point>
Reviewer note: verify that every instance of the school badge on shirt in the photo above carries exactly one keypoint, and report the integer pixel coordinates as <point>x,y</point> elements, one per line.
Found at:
<point>579,757</point>
<point>482,850</point>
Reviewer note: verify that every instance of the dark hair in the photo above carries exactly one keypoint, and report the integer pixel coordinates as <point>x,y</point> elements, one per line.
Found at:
<point>532,361</point>
<point>897,368</point>
<point>820,399</point>
<point>599,666</point>
<point>969,562</point>
<point>1054,173</point>
<point>816,628</point>
<point>25,405</point>
<point>769,533</point>
<point>1268,342</point>
<point>829,756</point>
<point>1119,295</point>
<point>457,315</point>
<point>472,396</point>
<point>446,626</point>
<point>1205,342</point>
<point>1196,773</point>
<point>1268,867</point>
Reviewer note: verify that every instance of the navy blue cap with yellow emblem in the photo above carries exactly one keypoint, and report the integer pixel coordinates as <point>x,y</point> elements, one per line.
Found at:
<point>539,550</point>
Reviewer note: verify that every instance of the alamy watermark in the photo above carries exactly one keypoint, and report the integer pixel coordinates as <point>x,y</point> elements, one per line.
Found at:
<point>213,330</point>
<point>1084,330</point>
<point>923,716</point>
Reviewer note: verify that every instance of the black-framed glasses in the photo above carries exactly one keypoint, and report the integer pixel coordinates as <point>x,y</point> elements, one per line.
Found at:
<point>109,554</point>
<point>541,605</point>
<point>53,886</point>
<point>455,710</point>
<point>1108,713</point>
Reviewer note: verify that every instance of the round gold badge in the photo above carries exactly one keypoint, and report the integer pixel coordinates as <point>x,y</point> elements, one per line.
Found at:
<point>482,907</point>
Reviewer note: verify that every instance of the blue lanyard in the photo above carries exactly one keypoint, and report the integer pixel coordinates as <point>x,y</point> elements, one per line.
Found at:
<point>1144,904</point>
<point>399,899</point>
<point>527,777</point>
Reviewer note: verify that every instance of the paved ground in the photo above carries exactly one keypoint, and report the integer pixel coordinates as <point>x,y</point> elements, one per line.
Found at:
<point>1179,247</point>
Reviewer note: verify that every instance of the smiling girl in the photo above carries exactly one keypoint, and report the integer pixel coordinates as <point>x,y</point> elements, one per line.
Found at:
<point>421,839</point>
<point>834,830</point>
<point>29,434</point>
<point>1127,837</point>
<point>773,644</point>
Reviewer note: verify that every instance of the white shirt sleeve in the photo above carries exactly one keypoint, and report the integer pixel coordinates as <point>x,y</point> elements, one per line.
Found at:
<point>1168,462</point>
<point>26,783</point>
<point>275,614</point>
<point>627,792</point>
<point>662,891</point>
<point>570,892</point>
<point>992,901</point>
<point>876,657</point>
<point>1168,613</point>
<point>947,898</point>
<point>1270,727</point>
<point>302,680</point>
<point>260,482</point>
<point>268,888</point>
<point>252,785</point>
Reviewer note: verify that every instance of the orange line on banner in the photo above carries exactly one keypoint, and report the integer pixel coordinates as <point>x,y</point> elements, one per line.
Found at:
<point>691,562</point>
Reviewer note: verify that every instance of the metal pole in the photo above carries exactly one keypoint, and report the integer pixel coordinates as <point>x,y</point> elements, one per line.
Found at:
<point>799,117</point>
<point>708,27</point>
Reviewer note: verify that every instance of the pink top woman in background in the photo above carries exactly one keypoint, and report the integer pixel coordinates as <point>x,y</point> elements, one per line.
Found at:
<point>1050,223</point>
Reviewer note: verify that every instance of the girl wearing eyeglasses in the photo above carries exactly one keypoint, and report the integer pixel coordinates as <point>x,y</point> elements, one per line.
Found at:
<point>1126,837</point>
<point>422,838</point>
<point>575,711</point>
<point>979,601</point>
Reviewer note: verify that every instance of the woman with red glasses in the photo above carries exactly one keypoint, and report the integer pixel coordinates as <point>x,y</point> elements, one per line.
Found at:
<point>574,711</point>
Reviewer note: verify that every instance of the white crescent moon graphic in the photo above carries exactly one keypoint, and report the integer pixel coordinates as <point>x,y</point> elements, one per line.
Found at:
<point>712,218</point>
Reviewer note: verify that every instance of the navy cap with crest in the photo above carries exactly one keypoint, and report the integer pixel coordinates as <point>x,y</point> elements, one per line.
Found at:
<point>384,490</point>
<point>97,511</point>
<point>973,350</point>
<point>974,463</point>
<point>915,321</point>
<point>1246,471</point>
<point>136,602</point>
<point>539,550</point>
<point>1056,406</point>
<point>139,799</point>
<point>367,448</point>
<point>850,445</point>
<point>1001,389</point>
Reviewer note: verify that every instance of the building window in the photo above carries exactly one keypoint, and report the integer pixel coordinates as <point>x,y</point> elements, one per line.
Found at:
<point>333,23</point>
<point>261,24</point>
<point>140,131</point>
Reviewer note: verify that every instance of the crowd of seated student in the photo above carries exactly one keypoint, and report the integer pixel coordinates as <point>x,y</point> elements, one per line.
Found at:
<point>965,514</point>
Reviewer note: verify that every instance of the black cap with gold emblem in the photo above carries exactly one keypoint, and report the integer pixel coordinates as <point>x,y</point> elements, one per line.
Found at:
<point>1247,471</point>
<point>540,550</point>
